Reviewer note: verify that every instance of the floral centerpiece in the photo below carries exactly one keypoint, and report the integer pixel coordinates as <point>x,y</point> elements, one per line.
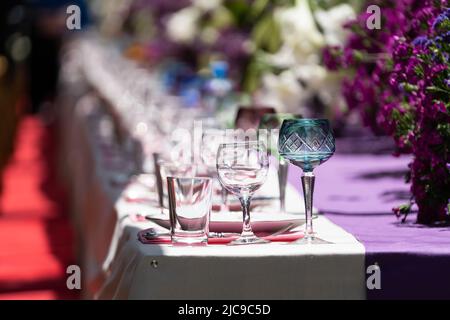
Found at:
<point>401,86</point>
<point>297,80</point>
<point>273,48</point>
<point>197,32</point>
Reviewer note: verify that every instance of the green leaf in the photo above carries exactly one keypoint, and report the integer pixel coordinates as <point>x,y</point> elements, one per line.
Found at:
<point>436,90</point>
<point>410,87</point>
<point>258,8</point>
<point>222,18</point>
<point>253,73</point>
<point>405,208</point>
<point>238,9</point>
<point>266,34</point>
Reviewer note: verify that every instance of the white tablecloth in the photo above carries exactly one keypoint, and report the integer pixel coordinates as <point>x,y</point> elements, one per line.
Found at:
<point>273,271</point>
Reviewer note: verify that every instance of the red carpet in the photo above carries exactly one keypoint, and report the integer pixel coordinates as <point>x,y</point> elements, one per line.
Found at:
<point>36,240</point>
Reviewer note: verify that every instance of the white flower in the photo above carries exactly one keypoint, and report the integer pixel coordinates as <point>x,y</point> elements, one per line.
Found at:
<point>330,92</point>
<point>331,22</point>
<point>301,54</point>
<point>283,92</point>
<point>299,34</point>
<point>313,75</point>
<point>182,26</point>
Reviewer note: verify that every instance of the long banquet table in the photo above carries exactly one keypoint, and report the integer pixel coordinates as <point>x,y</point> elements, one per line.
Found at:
<point>117,265</point>
<point>355,193</point>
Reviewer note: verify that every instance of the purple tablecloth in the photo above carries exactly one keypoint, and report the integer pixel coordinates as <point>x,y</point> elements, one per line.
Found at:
<point>357,192</point>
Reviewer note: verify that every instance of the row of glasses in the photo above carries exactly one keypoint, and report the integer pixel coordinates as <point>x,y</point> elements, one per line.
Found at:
<point>305,142</point>
<point>149,112</point>
<point>242,169</point>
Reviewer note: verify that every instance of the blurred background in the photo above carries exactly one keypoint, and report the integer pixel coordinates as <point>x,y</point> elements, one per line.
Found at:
<point>215,55</point>
<point>218,58</point>
<point>35,232</point>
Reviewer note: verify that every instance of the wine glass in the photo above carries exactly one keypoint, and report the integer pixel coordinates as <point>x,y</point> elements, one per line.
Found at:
<point>272,123</point>
<point>242,169</point>
<point>307,143</point>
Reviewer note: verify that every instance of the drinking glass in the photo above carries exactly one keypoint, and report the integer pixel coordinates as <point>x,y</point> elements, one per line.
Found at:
<point>189,208</point>
<point>164,169</point>
<point>272,123</point>
<point>307,143</point>
<point>211,140</point>
<point>242,169</point>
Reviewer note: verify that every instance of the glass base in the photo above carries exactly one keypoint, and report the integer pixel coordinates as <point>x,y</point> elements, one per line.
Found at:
<point>248,240</point>
<point>311,240</point>
<point>189,241</point>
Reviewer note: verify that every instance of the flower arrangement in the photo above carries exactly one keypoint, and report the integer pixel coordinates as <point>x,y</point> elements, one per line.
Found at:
<point>296,79</point>
<point>400,86</point>
<point>273,48</point>
<point>197,32</point>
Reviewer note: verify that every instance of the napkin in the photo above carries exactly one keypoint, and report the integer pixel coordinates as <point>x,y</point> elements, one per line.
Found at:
<point>140,199</point>
<point>165,239</point>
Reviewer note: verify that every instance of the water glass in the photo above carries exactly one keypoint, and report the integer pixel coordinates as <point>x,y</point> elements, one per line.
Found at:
<point>190,202</point>
<point>172,169</point>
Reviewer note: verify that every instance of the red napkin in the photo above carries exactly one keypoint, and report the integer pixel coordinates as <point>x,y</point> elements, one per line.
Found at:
<point>137,218</point>
<point>140,200</point>
<point>165,239</point>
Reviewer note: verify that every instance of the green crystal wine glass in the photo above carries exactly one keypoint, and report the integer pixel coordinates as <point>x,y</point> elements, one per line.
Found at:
<point>307,143</point>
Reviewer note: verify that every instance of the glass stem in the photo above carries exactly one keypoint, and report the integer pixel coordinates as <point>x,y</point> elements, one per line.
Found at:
<point>282,181</point>
<point>308,190</point>
<point>247,227</point>
<point>224,195</point>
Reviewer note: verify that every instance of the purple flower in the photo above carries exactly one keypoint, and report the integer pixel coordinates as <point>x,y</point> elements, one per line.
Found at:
<point>332,58</point>
<point>401,49</point>
<point>446,37</point>
<point>445,16</point>
<point>420,41</point>
<point>447,82</point>
<point>349,57</point>
<point>392,90</point>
